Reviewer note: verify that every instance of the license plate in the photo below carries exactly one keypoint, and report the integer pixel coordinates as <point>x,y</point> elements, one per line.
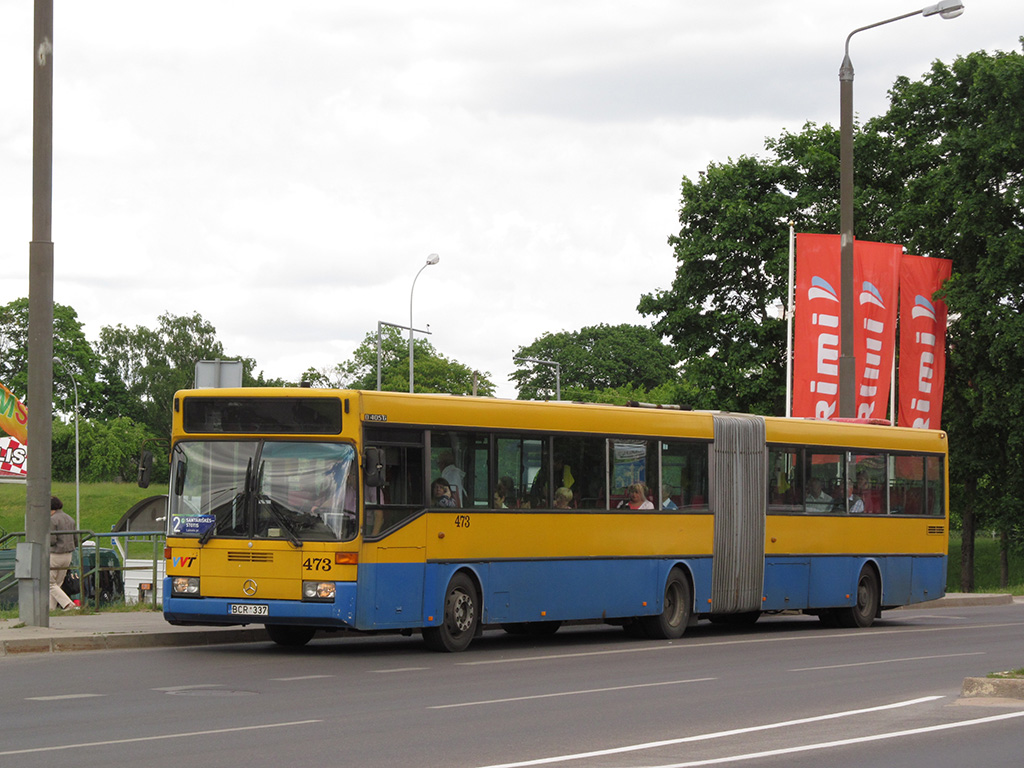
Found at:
<point>239,609</point>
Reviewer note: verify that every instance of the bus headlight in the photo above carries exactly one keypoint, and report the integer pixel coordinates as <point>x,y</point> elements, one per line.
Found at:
<point>318,590</point>
<point>185,585</point>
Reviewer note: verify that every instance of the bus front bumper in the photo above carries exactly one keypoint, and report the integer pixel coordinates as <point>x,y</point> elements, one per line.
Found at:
<point>221,611</point>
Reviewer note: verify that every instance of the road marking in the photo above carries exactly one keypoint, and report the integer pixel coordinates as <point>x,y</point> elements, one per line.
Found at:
<point>188,735</point>
<point>303,677</point>
<point>399,669</point>
<point>571,693</point>
<point>788,638</point>
<point>172,688</point>
<point>65,696</point>
<point>845,742</point>
<point>887,661</point>
<point>717,735</point>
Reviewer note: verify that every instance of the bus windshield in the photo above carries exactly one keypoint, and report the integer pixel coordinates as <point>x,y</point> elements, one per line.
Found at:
<point>261,489</point>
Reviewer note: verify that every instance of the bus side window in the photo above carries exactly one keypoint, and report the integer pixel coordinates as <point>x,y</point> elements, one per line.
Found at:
<point>684,475</point>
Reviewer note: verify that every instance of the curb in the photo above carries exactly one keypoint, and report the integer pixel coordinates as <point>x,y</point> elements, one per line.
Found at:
<point>117,641</point>
<point>959,600</point>
<point>992,687</point>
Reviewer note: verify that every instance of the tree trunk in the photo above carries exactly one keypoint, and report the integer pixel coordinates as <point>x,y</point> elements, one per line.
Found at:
<point>1004,560</point>
<point>967,538</point>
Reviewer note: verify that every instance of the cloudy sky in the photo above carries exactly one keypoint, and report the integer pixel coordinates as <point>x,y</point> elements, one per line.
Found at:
<point>285,169</point>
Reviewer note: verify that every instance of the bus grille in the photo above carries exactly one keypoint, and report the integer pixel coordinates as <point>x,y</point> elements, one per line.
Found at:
<point>250,557</point>
<point>936,530</point>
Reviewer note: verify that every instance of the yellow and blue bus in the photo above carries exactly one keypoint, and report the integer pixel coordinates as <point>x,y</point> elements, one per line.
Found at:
<point>309,510</point>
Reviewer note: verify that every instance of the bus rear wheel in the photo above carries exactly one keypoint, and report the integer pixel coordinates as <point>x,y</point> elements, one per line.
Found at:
<point>460,620</point>
<point>671,623</point>
<point>290,637</point>
<point>868,599</point>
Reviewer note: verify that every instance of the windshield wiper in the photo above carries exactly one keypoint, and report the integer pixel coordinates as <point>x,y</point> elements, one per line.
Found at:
<point>276,511</point>
<point>239,497</point>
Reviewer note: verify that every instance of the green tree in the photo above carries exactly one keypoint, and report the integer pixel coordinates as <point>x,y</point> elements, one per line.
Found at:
<point>433,372</point>
<point>69,344</point>
<point>592,359</point>
<point>949,157</point>
<point>942,172</point>
<point>141,368</point>
<point>733,266</point>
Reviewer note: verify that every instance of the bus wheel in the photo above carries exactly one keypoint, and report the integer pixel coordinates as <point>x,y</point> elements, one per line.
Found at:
<point>290,637</point>
<point>461,616</point>
<point>868,599</point>
<point>675,614</point>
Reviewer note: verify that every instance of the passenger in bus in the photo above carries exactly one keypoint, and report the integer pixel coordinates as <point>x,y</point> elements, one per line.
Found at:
<point>505,493</point>
<point>441,494</point>
<point>666,498</point>
<point>563,498</point>
<point>817,500</point>
<point>455,477</point>
<point>857,494</point>
<point>636,498</point>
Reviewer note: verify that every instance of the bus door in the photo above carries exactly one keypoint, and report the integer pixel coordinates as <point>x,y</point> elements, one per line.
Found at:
<point>738,471</point>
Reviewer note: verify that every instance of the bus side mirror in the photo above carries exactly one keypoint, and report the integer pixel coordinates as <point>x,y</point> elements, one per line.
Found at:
<point>373,467</point>
<point>179,478</point>
<point>145,467</point>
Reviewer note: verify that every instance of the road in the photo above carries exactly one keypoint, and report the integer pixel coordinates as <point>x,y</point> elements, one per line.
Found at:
<point>786,693</point>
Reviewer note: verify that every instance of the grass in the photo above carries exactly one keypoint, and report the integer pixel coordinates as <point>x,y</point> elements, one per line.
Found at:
<point>102,503</point>
<point>986,566</point>
<point>1013,674</point>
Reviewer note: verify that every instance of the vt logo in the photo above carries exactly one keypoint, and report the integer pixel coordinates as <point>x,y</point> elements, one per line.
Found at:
<point>184,562</point>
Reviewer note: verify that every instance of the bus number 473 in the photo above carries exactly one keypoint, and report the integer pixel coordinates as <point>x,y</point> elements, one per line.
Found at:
<point>317,564</point>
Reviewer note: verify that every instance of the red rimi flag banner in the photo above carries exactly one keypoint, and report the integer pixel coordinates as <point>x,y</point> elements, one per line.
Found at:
<point>922,341</point>
<point>817,342</point>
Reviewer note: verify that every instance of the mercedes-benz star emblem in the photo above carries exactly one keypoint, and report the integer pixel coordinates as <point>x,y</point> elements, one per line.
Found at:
<point>249,587</point>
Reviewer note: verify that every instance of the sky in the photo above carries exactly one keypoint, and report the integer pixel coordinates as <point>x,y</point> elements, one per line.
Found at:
<point>286,169</point>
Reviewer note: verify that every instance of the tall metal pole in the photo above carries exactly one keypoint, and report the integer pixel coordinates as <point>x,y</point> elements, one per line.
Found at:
<point>431,260</point>
<point>33,555</point>
<point>947,9</point>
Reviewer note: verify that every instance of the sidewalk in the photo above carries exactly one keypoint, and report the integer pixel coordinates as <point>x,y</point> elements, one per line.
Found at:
<point>147,629</point>
<point>109,631</point>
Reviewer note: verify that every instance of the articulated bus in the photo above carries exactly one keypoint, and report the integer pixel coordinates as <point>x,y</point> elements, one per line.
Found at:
<point>316,510</point>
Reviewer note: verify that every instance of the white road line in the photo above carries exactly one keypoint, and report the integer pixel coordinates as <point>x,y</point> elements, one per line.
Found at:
<point>188,735</point>
<point>399,669</point>
<point>789,638</point>
<point>571,693</point>
<point>845,742</point>
<point>172,688</point>
<point>65,696</point>
<point>887,661</point>
<point>717,735</point>
<point>303,677</point>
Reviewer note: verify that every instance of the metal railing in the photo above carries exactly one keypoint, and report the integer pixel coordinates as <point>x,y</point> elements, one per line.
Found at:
<point>89,542</point>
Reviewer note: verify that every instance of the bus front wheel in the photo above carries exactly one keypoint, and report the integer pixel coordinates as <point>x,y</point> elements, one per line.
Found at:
<point>868,599</point>
<point>460,620</point>
<point>290,637</point>
<point>675,613</point>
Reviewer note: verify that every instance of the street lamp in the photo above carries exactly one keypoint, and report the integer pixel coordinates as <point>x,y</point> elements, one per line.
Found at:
<point>558,371</point>
<point>947,9</point>
<point>432,259</point>
<point>78,505</point>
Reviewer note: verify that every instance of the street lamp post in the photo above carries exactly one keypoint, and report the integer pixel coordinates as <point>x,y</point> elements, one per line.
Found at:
<point>947,9</point>
<point>78,498</point>
<point>558,371</point>
<point>432,259</point>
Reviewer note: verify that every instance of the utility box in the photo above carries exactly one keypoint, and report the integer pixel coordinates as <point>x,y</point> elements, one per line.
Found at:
<point>218,373</point>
